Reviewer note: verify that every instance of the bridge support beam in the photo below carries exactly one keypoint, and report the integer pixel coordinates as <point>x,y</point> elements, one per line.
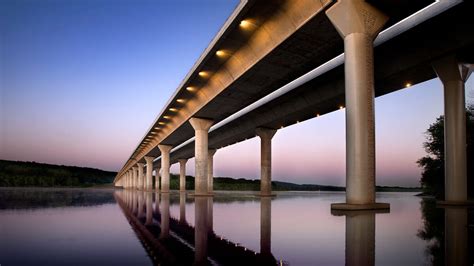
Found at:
<point>149,173</point>
<point>140,175</point>
<point>182,174</point>
<point>210,170</point>
<point>134,177</point>
<point>201,128</point>
<point>266,136</point>
<point>359,23</point>
<point>454,75</point>
<point>165,166</point>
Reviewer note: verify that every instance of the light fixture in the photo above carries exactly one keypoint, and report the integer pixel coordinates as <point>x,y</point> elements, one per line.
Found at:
<point>246,23</point>
<point>157,128</point>
<point>166,117</point>
<point>203,74</point>
<point>407,85</point>
<point>189,88</point>
<point>181,100</point>
<point>173,109</point>
<point>317,115</point>
<point>162,123</point>
<point>221,53</point>
<point>341,106</point>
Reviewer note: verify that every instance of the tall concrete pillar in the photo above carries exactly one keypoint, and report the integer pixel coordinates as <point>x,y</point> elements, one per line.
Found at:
<point>454,75</point>
<point>165,167</point>
<point>359,23</point>
<point>182,207</point>
<point>360,239</point>
<point>140,175</point>
<point>149,208</point>
<point>157,179</point>
<point>210,170</point>
<point>134,177</point>
<point>266,136</point>
<point>456,236</point>
<point>149,173</point>
<point>201,128</point>
<point>182,174</point>
<point>165,216</point>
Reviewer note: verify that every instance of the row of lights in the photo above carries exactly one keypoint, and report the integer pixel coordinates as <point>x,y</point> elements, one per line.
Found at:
<point>204,74</point>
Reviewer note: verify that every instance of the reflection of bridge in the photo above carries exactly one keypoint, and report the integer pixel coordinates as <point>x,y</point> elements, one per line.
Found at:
<point>273,65</point>
<point>170,241</point>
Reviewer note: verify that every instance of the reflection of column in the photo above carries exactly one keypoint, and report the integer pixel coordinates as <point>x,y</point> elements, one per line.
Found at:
<point>157,203</point>
<point>134,201</point>
<point>182,207</point>
<point>149,208</point>
<point>149,172</point>
<point>165,216</point>
<point>201,230</point>
<point>265,226</point>
<point>358,23</point>
<point>201,128</point>
<point>157,179</point>
<point>140,204</point>
<point>210,214</point>
<point>165,167</point>
<point>456,232</point>
<point>182,174</point>
<point>454,75</point>
<point>360,236</point>
<point>266,136</point>
<point>210,170</point>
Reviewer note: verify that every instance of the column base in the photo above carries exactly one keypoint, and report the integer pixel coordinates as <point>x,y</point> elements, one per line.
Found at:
<point>360,207</point>
<point>444,203</point>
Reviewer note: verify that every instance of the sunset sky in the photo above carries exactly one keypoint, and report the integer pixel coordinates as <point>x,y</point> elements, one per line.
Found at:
<point>82,80</point>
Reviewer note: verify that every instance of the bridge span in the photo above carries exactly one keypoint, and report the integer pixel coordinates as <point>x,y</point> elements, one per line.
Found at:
<point>271,66</point>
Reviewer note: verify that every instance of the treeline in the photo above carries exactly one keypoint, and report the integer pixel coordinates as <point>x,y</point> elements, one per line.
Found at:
<point>241,184</point>
<point>22,174</point>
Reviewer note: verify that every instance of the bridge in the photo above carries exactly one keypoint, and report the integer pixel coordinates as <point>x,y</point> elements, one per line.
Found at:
<point>271,66</point>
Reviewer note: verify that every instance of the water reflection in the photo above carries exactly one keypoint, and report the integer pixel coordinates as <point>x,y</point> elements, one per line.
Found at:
<point>86,227</point>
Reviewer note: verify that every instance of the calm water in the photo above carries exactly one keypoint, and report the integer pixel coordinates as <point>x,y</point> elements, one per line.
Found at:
<point>107,227</point>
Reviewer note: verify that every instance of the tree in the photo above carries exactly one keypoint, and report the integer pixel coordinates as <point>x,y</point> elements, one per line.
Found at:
<point>432,177</point>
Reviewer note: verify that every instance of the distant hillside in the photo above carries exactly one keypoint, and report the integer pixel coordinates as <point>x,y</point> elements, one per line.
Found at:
<point>22,174</point>
<point>228,183</point>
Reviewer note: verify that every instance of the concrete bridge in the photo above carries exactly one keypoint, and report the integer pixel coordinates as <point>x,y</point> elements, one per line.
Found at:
<point>271,66</point>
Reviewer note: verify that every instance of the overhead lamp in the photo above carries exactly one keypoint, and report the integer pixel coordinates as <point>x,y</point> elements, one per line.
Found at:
<point>341,106</point>
<point>407,85</point>
<point>162,123</point>
<point>181,100</point>
<point>203,74</point>
<point>166,117</point>
<point>317,115</point>
<point>221,53</point>
<point>173,109</point>
<point>245,23</point>
<point>189,88</point>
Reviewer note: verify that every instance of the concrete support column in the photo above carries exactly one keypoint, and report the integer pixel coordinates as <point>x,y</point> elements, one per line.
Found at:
<point>140,175</point>
<point>359,23</point>
<point>210,170</point>
<point>182,174</point>
<point>165,167</point>
<point>360,239</point>
<point>266,136</point>
<point>454,75</point>
<point>201,128</point>
<point>134,177</point>
<point>157,179</point>
<point>149,173</point>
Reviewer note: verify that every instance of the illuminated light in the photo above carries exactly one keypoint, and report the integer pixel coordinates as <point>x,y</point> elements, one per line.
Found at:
<point>190,88</point>
<point>173,110</point>
<point>203,74</point>
<point>282,127</point>
<point>181,100</point>
<point>221,53</point>
<point>157,127</point>
<point>408,85</point>
<point>162,123</point>
<point>317,115</point>
<point>297,121</point>
<point>341,106</point>
<point>153,133</point>
<point>166,117</point>
<point>246,23</point>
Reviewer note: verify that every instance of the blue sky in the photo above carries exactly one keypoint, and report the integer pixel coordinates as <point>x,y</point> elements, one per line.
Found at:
<point>82,80</point>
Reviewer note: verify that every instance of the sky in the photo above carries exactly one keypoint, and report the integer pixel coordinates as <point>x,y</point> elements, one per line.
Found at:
<point>82,80</point>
